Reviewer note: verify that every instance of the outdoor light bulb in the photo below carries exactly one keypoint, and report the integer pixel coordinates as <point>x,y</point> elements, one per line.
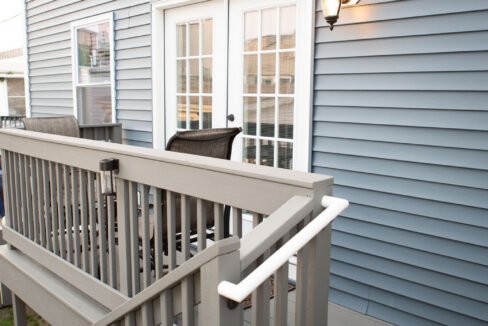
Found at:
<point>331,10</point>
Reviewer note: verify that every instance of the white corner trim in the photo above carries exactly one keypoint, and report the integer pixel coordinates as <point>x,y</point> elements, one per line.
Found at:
<point>158,105</point>
<point>108,17</point>
<point>28,107</point>
<point>302,151</point>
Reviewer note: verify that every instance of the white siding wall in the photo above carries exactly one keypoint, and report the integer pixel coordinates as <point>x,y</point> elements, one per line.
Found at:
<point>49,47</point>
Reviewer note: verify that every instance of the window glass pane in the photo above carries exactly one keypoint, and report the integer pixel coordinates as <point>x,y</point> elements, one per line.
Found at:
<point>285,155</point>
<point>251,31</point>
<point>181,76</point>
<point>268,26</point>
<point>181,112</point>
<point>207,75</point>
<point>287,27</point>
<point>250,105</point>
<point>268,116</point>
<point>194,112</point>
<point>194,76</point>
<point>249,151</point>
<point>94,105</point>
<point>267,152</point>
<point>16,106</point>
<point>15,87</point>
<point>268,70</point>
<point>285,118</point>
<point>181,40</point>
<point>207,42</point>
<point>207,112</point>
<point>250,74</point>
<point>94,53</point>
<point>194,39</point>
<point>287,73</point>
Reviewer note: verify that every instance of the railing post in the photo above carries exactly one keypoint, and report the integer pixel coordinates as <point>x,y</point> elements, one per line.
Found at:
<point>215,310</point>
<point>318,267</point>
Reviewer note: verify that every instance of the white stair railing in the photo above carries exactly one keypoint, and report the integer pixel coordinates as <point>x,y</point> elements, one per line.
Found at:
<point>238,292</point>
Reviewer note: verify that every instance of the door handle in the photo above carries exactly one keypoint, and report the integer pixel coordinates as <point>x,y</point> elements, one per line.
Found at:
<point>231,117</point>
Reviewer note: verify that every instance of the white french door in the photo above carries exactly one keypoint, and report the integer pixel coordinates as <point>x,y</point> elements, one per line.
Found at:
<point>238,58</point>
<point>195,62</point>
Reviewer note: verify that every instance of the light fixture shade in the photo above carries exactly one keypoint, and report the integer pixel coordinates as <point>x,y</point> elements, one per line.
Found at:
<point>331,9</point>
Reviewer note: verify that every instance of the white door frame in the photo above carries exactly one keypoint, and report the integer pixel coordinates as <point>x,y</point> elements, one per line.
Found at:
<point>303,93</point>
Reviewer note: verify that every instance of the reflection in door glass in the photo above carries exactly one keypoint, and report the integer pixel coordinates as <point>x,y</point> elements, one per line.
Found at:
<point>269,86</point>
<point>194,64</point>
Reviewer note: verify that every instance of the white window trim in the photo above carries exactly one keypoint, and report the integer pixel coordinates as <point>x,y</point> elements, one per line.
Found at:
<point>28,108</point>
<point>109,17</point>
<point>303,94</point>
<point>158,71</point>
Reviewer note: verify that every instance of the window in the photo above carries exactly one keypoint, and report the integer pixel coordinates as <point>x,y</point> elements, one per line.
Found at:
<point>16,96</point>
<point>269,86</point>
<point>93,70</point>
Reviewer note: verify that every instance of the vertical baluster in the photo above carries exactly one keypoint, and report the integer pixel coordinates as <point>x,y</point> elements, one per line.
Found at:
<point>134,238</point>
<point>166,307</point>
<point>92,213</point>
<point>237,222</point>
<point>23,197</point>
<point>68,212</point>
<point>260,297</point>
<point>158,233</point>
<point>6,187</point>
<point>281,291</point>
<point>18,198</point>
<point>40,203</point>
<point>146,236</point>
<point>75,193</point>
<point>35,199</point>
<point>219,221</point>
<point>102,229</point>
<point>61,215</point>
<point>301,291</point>
<point>201,224</point>
<point>187,286</point>
<point>54,207</point>
<point>13,212</point>
<point>112,253</point>
<point>84,221</point>
<point>185,226</point>
<point>47,205</point>
<point>147,313</point>
<point>28,194</point>
<point>171,229</point>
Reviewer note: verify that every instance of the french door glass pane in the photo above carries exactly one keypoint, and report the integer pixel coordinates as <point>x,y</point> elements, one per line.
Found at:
<point>94,104</point>
<point>269,75</point>
<point>94,53</point>
<point>194,74</point>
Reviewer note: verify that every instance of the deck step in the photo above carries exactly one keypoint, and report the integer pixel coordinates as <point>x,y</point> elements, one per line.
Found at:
<point>51,297</point>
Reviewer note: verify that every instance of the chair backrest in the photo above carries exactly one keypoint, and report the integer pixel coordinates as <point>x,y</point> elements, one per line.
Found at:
<point>215,143</point>
<point>63,126</point>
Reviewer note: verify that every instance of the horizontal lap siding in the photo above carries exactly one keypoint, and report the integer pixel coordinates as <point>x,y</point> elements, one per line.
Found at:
<point>401,122</point>
<point>50,65</point>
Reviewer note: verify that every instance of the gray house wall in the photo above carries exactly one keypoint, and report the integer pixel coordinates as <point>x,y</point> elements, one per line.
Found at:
<point>401,122</point>
<point>50,64</point>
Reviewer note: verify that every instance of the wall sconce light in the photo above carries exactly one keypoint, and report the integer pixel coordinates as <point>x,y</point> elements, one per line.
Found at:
<point>108,168</point>
<point>331,9</point>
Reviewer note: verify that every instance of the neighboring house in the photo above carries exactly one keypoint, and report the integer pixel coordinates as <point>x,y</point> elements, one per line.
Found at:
<point>12,95</point>
<point>393,103</point>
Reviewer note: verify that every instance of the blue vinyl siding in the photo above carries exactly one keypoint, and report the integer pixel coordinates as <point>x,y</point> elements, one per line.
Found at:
<point>401,122</point>
<point>50,70</point>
